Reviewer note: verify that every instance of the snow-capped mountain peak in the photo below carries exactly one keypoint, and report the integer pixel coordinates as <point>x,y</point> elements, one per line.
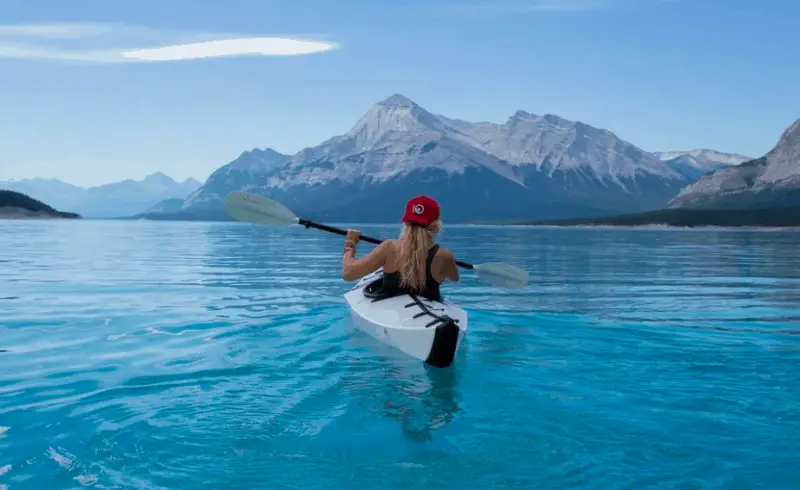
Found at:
<point>397,100</point>
<point>551,143</point>
<point>391,117</point>
<point>694,163</point>
<point>703,154</point>
<point>548,162</point>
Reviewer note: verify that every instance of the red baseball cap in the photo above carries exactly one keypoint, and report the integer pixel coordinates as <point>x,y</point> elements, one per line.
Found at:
<point>422,210</point>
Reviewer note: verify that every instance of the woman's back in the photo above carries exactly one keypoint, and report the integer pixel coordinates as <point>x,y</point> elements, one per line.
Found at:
<point>436,265</point>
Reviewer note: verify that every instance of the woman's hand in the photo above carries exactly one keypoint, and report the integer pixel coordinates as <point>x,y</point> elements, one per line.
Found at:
<point>351,241</point>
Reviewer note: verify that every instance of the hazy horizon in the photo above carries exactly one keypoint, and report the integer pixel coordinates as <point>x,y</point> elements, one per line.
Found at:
<point>180,181</point>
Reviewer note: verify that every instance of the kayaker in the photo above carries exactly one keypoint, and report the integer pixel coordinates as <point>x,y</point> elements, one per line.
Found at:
<point>412,264</point>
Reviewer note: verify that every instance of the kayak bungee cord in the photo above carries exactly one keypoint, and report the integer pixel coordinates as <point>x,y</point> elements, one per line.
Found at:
<point>427,311</point>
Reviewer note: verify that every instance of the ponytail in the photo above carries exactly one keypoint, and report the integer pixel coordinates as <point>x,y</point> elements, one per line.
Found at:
<point>415,242</point>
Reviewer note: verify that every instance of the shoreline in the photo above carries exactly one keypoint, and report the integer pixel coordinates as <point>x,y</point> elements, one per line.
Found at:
<point>587,226</point>
<point>17,214</point>
<point>665,226</point>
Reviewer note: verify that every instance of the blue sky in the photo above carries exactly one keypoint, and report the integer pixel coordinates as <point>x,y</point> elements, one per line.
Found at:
<point>663,74</point>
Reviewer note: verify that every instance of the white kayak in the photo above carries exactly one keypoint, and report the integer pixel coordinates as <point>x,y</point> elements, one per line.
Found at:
<point>431,331</point>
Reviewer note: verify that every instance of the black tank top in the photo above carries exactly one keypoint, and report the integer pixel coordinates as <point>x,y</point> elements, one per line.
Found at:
<point>391,281</point>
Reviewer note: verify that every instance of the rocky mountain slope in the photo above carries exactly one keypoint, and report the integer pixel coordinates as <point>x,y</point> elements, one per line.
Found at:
<point>250,170</point>
<point>770,181</point>
<point>106,201</point>
<point>525,168</point>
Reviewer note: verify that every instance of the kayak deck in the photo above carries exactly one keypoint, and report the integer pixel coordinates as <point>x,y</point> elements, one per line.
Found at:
<point>431,331</point>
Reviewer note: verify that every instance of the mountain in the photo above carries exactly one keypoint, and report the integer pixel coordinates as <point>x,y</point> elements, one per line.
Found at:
<point>770,181</point>
<point>249,170</point>
<point>106,201</point>
<point>527,167</point>
<point>156,184</point>
<point>16,205</point>
<point>695,163</point>
<point>66,194</point>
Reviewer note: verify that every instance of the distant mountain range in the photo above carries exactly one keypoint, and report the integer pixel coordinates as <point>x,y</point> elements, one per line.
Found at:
<point>760,192</point>
<point>530,167</point>
<point>118,199</point>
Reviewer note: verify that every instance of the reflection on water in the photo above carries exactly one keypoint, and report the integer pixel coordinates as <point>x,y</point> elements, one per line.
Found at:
<point>419,397</point>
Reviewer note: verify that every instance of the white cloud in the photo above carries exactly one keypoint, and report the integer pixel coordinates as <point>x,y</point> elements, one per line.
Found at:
<point>274,46</point>
<point>88,42</point>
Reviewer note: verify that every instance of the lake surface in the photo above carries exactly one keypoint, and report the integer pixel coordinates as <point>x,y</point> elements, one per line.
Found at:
<point>153,355</point>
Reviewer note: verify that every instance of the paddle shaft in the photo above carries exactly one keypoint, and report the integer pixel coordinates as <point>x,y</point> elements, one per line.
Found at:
<point>340,231</point>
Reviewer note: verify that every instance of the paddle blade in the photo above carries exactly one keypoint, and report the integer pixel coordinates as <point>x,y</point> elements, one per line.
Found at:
<point>501,275</point>
<point>252,208</point>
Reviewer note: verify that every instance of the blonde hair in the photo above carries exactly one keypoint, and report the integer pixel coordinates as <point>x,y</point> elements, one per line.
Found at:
<point>415,241</point>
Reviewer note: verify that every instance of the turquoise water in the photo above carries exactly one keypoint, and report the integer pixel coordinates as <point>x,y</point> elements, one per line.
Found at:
<point>195,355</point>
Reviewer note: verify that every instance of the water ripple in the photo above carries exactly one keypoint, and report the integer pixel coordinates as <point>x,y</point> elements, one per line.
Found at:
<point>194,355</point>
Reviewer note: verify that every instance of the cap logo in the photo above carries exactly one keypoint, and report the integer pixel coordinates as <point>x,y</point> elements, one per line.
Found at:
<point>418,209</point>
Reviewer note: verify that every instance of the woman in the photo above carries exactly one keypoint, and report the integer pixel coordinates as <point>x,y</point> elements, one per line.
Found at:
<point>413,263</point>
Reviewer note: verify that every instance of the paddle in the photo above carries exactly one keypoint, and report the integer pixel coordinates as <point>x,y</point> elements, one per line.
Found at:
<point>253,208</point>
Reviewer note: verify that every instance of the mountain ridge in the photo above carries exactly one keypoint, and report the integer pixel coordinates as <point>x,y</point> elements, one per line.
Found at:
<point>114,199</point>
<point>529,166</point>
<point>762,192</point>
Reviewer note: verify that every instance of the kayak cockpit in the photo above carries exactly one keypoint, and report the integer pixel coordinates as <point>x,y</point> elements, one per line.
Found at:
<point>373,288</point>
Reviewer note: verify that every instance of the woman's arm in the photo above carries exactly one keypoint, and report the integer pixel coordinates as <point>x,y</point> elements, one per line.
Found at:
<point>353,268</point>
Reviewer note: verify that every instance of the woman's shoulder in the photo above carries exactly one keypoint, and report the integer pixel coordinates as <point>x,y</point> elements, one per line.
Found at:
<point>445,253</point>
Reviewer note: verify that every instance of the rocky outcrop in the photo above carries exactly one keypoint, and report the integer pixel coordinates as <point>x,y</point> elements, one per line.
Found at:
<point>770,181</point>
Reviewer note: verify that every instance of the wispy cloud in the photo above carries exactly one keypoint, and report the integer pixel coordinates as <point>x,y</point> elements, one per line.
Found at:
<point>89,42</point>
